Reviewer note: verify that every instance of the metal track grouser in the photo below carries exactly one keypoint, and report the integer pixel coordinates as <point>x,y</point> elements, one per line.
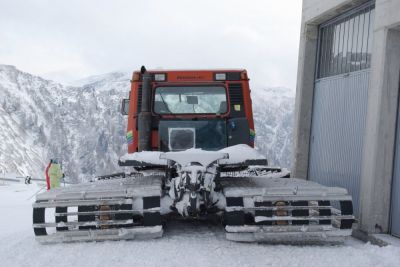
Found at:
<point>190,141</point>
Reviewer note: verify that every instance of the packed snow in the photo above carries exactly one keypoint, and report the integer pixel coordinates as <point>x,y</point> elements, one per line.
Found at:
<point>240,153</point>
<point>184,243</point>
<point>230,155</point>
<point>151,157</point>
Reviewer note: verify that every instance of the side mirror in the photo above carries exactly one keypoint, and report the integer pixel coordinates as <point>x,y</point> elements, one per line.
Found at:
<point>125,107</point>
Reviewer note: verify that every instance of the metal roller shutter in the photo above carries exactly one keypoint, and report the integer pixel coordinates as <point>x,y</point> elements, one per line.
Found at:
<point>340,100</point>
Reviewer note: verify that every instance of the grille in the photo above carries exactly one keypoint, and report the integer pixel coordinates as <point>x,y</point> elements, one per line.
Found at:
<point>236,93</point>
<point>236,98</point>
<point>139,100</point>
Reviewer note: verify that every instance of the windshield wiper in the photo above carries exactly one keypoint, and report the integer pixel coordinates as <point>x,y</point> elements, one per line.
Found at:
<point>165,104</point>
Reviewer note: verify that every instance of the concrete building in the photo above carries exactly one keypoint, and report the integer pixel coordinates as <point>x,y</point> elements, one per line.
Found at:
<point>347,123</point>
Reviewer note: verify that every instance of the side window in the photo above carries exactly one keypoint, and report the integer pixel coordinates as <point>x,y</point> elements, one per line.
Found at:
<point>125,107</point>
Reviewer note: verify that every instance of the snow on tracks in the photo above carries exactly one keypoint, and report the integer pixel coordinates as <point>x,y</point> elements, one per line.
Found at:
<point>184,243</point>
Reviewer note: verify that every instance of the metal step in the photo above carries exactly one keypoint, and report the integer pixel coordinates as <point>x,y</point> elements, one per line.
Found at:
<point>138,233</point>
<point>77,223</point>
<point>288,234</point>
<point>111,212</point>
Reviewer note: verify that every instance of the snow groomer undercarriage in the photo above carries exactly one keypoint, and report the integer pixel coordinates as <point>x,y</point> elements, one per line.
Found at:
<point>195,184</point>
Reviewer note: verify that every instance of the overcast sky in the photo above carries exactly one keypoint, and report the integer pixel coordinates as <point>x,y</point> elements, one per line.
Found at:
<point>69,40</point>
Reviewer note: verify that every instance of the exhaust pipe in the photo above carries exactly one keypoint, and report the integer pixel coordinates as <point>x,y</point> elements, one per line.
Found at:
<point>144,117</point>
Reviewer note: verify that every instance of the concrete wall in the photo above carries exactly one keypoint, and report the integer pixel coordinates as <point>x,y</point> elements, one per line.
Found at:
<point>304,99</point>
<point>377,167</point>
<point>318,11</point>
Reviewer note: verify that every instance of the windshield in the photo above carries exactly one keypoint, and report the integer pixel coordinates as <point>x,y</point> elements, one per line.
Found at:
<point>190,100</point>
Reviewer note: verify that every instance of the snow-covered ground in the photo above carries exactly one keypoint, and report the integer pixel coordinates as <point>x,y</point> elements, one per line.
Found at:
<point>193,244</point>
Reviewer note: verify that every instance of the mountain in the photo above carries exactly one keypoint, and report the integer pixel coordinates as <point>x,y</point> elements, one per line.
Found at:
<point>102,82</point>
<point>273,111</point>
<point>41,119</point>
<point>82,124</point>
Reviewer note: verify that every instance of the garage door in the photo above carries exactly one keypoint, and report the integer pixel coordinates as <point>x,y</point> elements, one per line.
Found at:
<point>340,100</point>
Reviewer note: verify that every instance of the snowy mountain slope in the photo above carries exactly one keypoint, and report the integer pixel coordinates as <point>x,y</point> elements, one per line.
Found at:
<point>104,82</point>
<point>23,115</point>
<point>40,119</point>
<point>82,124</point>
<point>273,110</point>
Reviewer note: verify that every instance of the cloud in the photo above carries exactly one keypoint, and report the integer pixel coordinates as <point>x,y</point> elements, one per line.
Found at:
<point>74,39</point>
